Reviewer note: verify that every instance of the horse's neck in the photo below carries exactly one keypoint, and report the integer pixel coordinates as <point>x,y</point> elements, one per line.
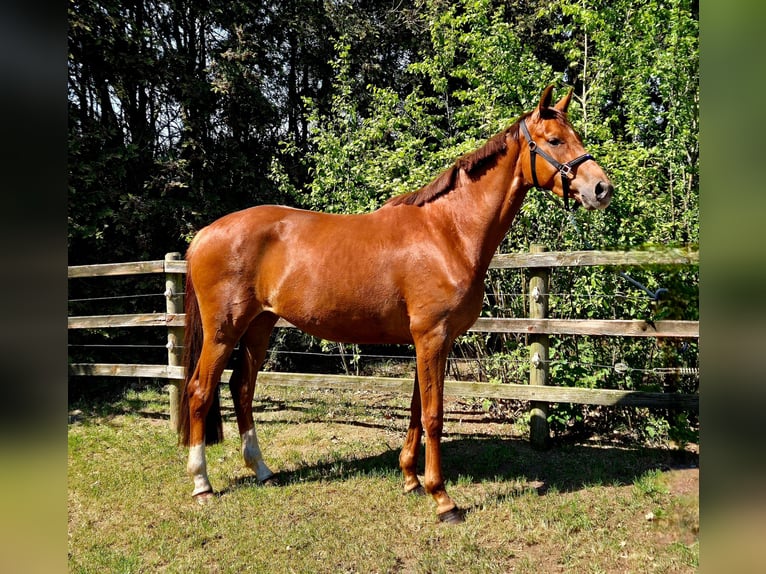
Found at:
<point>482,209</point>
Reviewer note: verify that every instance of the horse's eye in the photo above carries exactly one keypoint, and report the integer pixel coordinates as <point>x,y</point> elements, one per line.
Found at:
<point>554,141</point>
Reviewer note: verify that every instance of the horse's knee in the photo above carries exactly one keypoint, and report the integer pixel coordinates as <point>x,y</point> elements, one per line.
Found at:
<point>406,459</point>
<point>200,399</point>
<point>432,426</point>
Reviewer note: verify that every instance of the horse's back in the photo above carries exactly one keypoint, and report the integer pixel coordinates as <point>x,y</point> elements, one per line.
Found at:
<point>354,278</point>
<point>319,271</point>
<point>235,235</point>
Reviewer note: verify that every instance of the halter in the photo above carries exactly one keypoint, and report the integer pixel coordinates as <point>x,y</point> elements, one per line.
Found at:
<point>565,169</point>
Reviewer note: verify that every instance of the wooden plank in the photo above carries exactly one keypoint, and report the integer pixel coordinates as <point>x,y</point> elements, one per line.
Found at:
<point>122,370</point>
<point>350,382</point>
<point>133,320</point>
<point>554,394</point>
<point>672,256</point>
<point>173,266</point>
<point>551,394</point>
<point>609,327</point>
<point>112,269</point>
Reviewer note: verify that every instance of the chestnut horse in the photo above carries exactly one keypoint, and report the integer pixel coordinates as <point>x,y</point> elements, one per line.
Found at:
<point>411,272</point>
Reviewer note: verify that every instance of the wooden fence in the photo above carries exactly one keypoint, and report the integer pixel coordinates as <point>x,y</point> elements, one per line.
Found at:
<point>537,326</point>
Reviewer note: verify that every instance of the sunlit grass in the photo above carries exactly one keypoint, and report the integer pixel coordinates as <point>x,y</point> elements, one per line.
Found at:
<point>340,508</point>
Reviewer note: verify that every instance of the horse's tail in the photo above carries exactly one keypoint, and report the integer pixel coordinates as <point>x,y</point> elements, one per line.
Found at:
<point>192,351</point>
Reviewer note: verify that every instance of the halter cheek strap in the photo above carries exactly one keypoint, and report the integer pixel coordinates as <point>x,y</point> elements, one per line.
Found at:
<point>565,169</point>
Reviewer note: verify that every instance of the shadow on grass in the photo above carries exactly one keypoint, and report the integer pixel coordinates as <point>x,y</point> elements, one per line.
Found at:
<point>567,466</point>
<point>562,468</point>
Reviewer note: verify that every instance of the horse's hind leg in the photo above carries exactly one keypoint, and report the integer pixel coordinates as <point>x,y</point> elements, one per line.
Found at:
<point>242,384</point>
<point>201,394</point>
<point>408,458</point>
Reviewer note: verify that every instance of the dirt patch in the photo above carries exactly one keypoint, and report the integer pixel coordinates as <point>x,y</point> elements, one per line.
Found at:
<point>684,482</point>
<point>684,515</point>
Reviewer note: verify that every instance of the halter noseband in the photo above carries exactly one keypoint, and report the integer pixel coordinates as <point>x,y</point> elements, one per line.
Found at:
<point>565,169</point>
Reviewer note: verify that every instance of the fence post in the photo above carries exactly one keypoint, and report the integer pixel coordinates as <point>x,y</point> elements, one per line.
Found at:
<point>174,287</point>
<point>539,433</point>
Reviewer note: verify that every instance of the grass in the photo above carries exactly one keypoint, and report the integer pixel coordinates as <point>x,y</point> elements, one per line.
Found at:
<point>576,508</point>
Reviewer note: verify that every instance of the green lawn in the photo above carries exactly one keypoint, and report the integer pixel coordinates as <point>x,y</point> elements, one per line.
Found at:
<point>575,508</point>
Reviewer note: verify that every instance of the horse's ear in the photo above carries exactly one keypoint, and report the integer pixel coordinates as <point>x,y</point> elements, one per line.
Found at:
<point>563,103</point>
<point>545,99</point>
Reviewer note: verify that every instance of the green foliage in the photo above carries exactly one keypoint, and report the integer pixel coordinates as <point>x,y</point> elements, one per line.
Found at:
<point>181,112</point>
<point>476,76</point>
<point>635,74</point>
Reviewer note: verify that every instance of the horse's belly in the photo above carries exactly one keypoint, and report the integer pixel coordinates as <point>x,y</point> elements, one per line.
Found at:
<point>352,312</point>
<point>348,327</point>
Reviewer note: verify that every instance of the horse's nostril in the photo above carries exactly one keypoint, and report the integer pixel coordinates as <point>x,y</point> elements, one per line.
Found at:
<point>604,190</point>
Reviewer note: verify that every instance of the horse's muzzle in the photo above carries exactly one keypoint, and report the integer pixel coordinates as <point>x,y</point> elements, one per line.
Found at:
<point>598,197</point>
<point>604,191</point>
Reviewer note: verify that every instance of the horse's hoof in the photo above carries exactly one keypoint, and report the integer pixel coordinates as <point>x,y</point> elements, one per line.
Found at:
<point>204,498</point>
<point>454,516</point>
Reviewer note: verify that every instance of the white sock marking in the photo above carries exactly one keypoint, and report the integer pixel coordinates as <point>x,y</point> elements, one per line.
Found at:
<point>197,468</point>
<point>251,452</point>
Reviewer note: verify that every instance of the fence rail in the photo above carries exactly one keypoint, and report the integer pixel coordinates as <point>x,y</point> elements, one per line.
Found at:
<point>594,327</point>
<point>538,327</point>
<point>672,256</point>
<point>551,394</point>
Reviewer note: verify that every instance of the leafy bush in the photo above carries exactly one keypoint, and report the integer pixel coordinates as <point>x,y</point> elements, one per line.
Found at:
<point>637,92</point>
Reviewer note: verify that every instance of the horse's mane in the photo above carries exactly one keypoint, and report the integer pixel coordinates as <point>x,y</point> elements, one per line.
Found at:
<point>485,156</point>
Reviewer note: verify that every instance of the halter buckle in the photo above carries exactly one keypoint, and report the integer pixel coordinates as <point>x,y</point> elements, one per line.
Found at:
<point>532,145</point>
<point>565,170</point>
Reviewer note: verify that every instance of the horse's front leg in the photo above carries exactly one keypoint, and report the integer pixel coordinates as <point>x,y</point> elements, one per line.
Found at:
<point>432,350</point>
<point>408,458</point>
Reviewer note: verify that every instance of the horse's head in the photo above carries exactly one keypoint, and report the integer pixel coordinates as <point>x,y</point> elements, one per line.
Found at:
<point>554,157</point>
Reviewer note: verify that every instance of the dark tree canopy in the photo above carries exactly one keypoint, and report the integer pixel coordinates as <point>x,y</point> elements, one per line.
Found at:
<point>182,111</point>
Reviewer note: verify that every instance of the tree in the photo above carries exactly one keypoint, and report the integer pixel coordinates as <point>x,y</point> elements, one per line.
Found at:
<point>473,78</point>
<point>181,111</point>
<point>635,74</point>
<point>634,69</point>
<point>179,108</point>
